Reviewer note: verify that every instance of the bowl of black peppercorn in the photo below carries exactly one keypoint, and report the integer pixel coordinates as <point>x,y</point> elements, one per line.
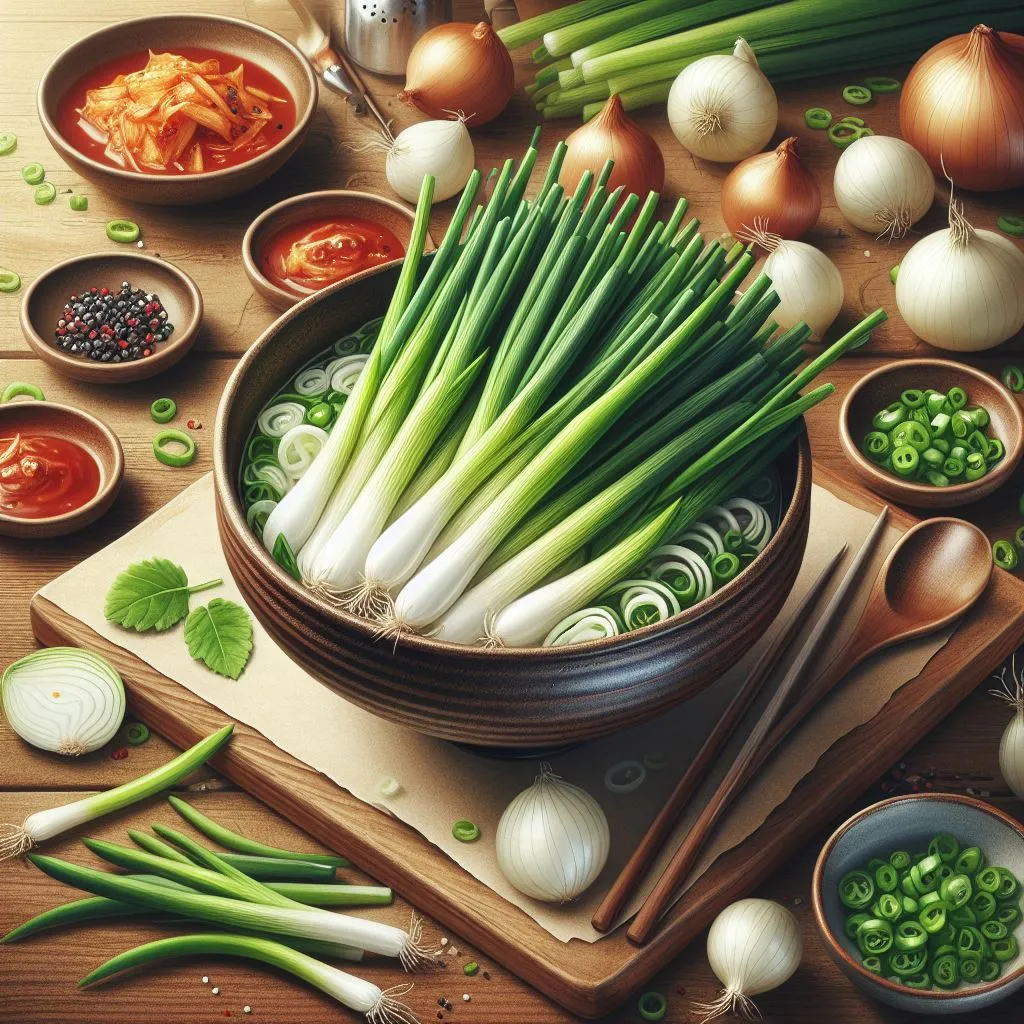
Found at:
<point>112,318</point>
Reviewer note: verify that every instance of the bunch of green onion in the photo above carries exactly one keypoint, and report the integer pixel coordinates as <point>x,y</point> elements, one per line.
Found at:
<point>564,386</point>
<point>263,902</point>
<point>593,49</point>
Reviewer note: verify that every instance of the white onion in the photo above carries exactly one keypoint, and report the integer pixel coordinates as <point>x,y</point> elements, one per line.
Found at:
<point>808,283</point>
<point>1011,746</point>
<point>883,185</point>
<point>441,148</point>
<point>962,288</point>
<point>63,699</point>
<point>552,840</point>
<point>722,107</point>
<point>753,946</point>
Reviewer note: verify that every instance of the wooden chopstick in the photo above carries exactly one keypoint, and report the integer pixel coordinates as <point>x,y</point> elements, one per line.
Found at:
<point>753,753</point>
<point>653,840</point>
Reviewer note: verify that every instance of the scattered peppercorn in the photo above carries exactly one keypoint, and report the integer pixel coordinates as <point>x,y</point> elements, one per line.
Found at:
<point>120,754</point>
<point>110,326</point>
<point>486,975</point>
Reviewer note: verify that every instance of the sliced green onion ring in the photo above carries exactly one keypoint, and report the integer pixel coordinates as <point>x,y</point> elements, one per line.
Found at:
<point>79,203</point>
<point>123,231</point>
<point>586,624</point>
<point>177,459</point>
<point>276,420</point>
<point>1011,224</point>
<point>299,447</point>
<point>311,382</point>
<point>818,118</point>
<point>45,193</point>
<point>652,1006</point>
<point>8,143</point>
<point>625,777</point>
<point>882,83</point>
<point>466,831</point>
<point>163,410</point>
<point>33,173</point>
<point>343,373</point>
<point>9,280</point>
<point>858,95</point>
<point>842,134</point>
<point>1013,377</point>
<point>136,734</point>
<point>19,389</point>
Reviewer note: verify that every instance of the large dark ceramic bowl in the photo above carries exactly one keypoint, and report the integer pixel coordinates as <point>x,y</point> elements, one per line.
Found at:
<point>518,698</point>
<point>165,32</point>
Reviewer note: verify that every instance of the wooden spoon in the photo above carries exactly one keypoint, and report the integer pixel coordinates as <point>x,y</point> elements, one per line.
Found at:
<point>933,575</point>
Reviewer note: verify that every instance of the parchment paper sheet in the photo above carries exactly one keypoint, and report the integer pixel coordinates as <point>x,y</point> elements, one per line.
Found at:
<point>441,783</point>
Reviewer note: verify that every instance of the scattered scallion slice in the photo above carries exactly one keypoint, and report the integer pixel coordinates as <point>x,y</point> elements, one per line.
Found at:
<point>170,457</point>
<point>45,194</point>
<point>894,273</point>
<point>1011,224</point>
<point>9,280</point>
<point>1005,555</point>
<point>8,143</point>
<point>818,118</point>
<point>163,410</point>
<point>123,231</point>
<point>882,83</point>
<point>466,831</point>
<point>79,203</point>
<point>33,173</point>
<point>20,389</point>
<point>858,95</point>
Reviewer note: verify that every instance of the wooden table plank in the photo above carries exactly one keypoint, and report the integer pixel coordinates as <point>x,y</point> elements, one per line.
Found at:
<point>206,242</point>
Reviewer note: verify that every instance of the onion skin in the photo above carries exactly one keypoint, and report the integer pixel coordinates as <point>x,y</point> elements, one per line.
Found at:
<point>639,165</point>
<point>774,189</point>
<point>459,67</point>
<point>962,107</point>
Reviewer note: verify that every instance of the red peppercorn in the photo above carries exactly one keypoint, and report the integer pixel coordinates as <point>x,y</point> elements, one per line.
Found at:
<point>149,338</point>
<point>104,291</point>
<point>93,335</point>
<point>92,291</point>
<point>120,754</point>
<point>122,343</point>
<point>147,352</point>
<point>61,331</point>
<point>154,324</point>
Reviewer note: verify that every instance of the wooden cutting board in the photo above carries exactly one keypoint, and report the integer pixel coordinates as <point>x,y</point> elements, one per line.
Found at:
<point>588,979</point>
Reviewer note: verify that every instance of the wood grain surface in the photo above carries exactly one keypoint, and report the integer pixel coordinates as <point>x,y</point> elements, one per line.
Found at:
<point>37,978</point>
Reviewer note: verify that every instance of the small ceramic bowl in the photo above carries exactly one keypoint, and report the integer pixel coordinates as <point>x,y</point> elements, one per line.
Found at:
<point>877,389</point>
<point>84,429</point>
<point>909,823</point>
<point>390,213</point>
<point>43,306</point>
<point>168,33</point>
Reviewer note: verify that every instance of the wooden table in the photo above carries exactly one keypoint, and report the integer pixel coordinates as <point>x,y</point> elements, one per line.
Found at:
<point>37,978</point>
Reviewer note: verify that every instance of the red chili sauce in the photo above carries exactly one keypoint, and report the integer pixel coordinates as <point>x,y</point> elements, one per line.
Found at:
<point>43,476</point>
<point>312,254</point>
<point>216,156</point>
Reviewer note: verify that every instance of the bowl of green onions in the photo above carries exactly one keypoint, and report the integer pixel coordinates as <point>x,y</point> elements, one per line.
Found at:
<point>536,486</point>
<point>931,433</point>
<point>918,901</point>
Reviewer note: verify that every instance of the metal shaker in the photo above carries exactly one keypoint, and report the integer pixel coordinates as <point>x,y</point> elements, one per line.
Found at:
<point>380,33</point>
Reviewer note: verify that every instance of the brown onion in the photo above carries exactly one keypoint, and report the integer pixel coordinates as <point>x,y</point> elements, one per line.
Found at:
<point>962,108</point>
<point>774,190</point>
<point>460,68</point>
<point>639,165</point>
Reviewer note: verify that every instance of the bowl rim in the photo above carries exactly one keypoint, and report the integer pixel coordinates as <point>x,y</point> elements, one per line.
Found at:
<point>228,500</point>
<point>838,950</point>
<point>64,148</point>
<point>182,338</point>
<point>103,493</point>
<point>342,195</point>
<point>990,480</point>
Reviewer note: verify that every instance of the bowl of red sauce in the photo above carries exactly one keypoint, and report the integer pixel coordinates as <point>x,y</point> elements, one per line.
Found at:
<point>60,469</point>
<point>177,109</point>
<point>299,246</point>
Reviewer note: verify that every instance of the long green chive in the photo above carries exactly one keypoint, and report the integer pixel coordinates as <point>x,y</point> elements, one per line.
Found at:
<point>240,844</point>
<point>43,825</point>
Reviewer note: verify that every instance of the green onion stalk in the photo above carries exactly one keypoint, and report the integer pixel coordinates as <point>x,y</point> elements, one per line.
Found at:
<point>43,825</point>
<point>379,1007</point>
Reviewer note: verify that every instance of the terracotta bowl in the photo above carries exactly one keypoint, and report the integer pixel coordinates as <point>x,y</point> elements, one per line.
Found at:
<point>75,425</point>
<point>395,216</point>
<point>511,699</point>
<point>243,39</point>
<point>44,300</point>
<point>879,388</point>
<point>909,823</point>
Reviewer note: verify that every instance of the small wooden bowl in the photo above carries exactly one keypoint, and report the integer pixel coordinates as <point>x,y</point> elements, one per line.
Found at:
<point>909,823</point>
<point>74,425</point>
<point>44,300</point>
<point>166,32</point>
<point>515,698</point>
<point>879,388</point>
<point>393,215</point>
